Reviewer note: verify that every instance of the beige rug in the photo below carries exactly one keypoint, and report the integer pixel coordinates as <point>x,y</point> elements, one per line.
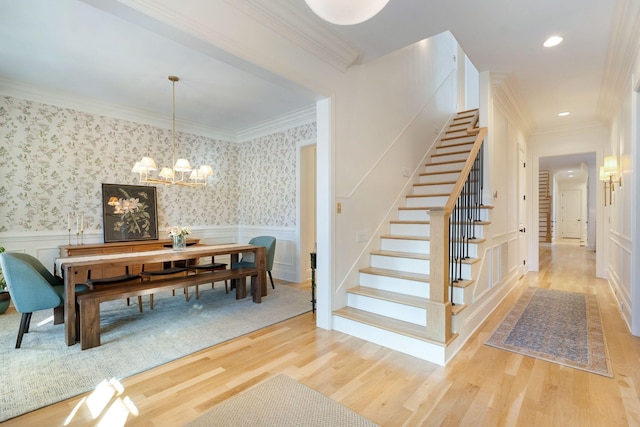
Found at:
<point>281,402</point>
<point>556,326</point>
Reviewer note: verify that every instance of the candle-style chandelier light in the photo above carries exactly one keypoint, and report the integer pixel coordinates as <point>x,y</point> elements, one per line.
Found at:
<point>176,174</point>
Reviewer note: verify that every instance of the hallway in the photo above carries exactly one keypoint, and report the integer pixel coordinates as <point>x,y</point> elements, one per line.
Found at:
<point>482,386</point>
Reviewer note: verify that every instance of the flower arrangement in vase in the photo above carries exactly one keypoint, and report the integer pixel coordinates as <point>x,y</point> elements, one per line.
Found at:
<point>179,235</point>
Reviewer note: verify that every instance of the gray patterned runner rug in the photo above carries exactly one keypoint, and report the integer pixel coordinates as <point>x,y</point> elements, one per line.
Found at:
<point>556,326</point>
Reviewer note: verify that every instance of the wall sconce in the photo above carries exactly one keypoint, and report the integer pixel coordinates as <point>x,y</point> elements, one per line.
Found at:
<point>609,177</point>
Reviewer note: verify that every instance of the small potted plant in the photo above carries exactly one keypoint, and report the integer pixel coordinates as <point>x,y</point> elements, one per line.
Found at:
<point>5,299</point>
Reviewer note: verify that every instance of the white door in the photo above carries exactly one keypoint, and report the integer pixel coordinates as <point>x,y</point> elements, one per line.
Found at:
<point>571,213</point>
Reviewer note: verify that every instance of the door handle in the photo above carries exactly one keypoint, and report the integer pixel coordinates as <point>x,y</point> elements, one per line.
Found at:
<point>523,230</point>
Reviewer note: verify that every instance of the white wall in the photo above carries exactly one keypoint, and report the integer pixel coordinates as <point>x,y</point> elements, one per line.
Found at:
<point>392,114</point>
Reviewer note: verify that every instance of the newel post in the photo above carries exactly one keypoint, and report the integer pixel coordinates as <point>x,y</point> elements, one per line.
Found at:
<point>439,308</point>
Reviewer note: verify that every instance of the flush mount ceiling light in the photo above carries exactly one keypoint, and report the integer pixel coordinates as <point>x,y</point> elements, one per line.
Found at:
<point>176,174</point>
<point>552,41</point>
<point>565,113</point>
<point>346,12</point>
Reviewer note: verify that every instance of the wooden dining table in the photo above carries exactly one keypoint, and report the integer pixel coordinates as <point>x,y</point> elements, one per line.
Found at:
<point>75,269</point>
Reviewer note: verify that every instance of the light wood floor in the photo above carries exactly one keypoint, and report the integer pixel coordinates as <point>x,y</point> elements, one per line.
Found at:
<point>482,386</point>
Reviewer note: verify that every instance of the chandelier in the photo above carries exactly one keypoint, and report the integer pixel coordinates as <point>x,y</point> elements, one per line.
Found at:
<point>181,173</point>
<point>346,12</point>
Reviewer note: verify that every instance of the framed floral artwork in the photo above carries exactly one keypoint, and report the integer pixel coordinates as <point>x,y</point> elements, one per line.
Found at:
<point>129,213</point>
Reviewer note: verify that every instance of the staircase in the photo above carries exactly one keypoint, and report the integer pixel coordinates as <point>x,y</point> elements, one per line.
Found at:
<point>544,209</point>
<point>403,299</point>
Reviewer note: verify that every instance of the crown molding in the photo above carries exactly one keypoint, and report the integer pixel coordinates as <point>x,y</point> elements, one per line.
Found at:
<point>290,22</point>
<point>27,92</point>
<point>65,100</point>
<point>296,118</point>
<point>624,44</point>
<point>506,94</point>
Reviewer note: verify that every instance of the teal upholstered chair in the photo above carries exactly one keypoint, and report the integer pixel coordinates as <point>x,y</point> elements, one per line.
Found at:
<point>32,288</point>
<point>247,260</point>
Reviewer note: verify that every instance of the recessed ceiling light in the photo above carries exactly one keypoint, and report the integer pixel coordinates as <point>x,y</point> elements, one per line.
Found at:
<point>565,113</point>
<point>552,41</point>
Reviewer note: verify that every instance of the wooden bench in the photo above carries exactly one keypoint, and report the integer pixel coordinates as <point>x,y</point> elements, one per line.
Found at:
<point>89,301</point>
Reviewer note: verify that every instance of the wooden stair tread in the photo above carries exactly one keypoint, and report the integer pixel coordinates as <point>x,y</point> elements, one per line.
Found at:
<point>463,283</point>
<point>452,153</point>
<point>453,138</point>
<point>429,195</point>
<point>397,254</point>
<point>440,172</point>
<point>410,222</point>
<point>410,300</point>
<point>404,237</point>
<point>424,184</point>
<point>389,324</point>
<point>445,163</point>
<point>457,308</point>
<point>407,275</point>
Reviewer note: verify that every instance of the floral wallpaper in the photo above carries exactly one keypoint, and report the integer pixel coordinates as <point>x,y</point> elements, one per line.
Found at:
<point>267,194</point>
<point>54,160</point>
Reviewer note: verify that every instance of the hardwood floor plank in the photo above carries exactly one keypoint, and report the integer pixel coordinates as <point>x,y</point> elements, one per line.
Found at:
<point>482,386</point>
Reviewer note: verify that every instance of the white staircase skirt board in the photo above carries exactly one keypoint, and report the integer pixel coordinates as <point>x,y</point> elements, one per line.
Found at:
<point>411,265</point>
<point>405,245</point>
<point>449,176</point>
<point>433,189</point>
<point>410,229</point>
<point>395,284</point>
<point>413,215</point>
<point>444,167</point>
<point>421,349</point>
<point>406,313</point>
<point>414,202</point>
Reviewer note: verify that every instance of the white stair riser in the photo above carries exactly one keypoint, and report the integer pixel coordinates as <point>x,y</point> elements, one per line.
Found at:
<point>473,250</point>
<point>418,230</point>
<point>458,295</point>
<point>467,271</point>
<point>452,148</point>
<point>394,284</point>
<point>475,231</point>
<point>457,322</point>
<point>413,215</point>
<point>414,202</point>
<point>421,349</point>
<point>450,157</point>
<point>410,265</point>
<point>405,245</point>
<point>444,167</point>
<point>432,189</point>
<point>394,310</point>
<point>451,176</point>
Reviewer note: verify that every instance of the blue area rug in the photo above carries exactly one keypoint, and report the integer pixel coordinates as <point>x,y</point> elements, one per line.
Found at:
<point>556,326</point>
<point>45,370</point>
